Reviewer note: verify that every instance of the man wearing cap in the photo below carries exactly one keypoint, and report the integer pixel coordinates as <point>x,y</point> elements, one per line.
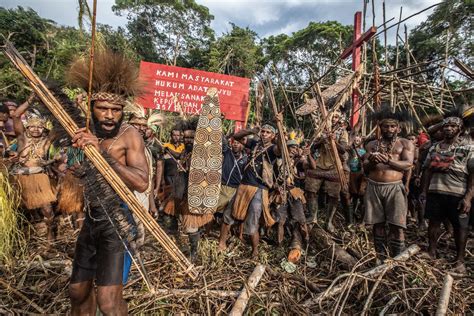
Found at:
<point>449,187</point>
<point>251,199</point>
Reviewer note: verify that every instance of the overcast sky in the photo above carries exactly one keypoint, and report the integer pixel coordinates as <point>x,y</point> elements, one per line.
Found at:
<point>266,17</point>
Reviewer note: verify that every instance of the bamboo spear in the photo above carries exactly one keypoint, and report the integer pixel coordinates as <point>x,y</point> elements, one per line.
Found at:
<point>99,162</point>
<point>289,177</point>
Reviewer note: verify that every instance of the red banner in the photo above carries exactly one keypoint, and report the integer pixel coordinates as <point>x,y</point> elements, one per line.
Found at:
<point>176,89</point>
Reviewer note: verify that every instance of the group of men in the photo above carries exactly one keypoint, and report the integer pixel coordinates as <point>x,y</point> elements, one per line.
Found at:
<point>260,190</point>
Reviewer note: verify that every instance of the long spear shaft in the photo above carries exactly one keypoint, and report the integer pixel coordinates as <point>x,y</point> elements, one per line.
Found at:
<point>289,177</point>
<point>91,65</point>
<point>99,162</point>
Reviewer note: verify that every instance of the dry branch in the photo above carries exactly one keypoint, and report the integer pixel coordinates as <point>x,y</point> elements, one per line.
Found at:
<point>243,299</point>
<point>326,240</point>
<point>23,297</point>
<point>383,268</point>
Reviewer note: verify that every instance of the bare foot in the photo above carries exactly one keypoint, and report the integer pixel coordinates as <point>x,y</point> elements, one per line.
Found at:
<point>222,246</point>
<point>459,268</point>
<point>330,227</point>
<point>255,254</point>
<point>427,256</point>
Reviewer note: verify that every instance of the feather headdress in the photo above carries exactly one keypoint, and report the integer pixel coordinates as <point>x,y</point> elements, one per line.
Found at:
<point>114,79</point>
<point>138,115</point>
<point>386,113</point>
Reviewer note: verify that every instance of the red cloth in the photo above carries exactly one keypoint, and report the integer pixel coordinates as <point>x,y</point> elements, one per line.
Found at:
<point>422,138</point>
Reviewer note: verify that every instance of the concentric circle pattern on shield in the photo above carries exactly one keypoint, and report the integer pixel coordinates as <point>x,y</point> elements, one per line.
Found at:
<point>206,162</point>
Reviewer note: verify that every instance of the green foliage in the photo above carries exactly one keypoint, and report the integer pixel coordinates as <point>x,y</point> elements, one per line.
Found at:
<point>236,53</point>
<point>174,32</point>
<point>453,18</point>
<point>49,48</point>
<point>31,35</point>
<point>308,52</point>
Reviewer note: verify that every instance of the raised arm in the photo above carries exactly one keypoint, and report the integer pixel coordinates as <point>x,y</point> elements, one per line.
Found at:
<point>17,123</point>
<point>241,135</point>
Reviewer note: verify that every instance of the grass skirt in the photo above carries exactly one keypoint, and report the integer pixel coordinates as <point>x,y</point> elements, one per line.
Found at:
<point>71,194</point>
<point>36,190</point>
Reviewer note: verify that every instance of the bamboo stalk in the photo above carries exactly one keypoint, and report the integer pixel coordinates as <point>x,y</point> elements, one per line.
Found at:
<point>100,163</point>
<point>281,134</point>
<point>410,103</point>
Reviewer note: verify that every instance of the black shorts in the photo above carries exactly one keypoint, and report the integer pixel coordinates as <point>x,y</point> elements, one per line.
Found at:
<point>99,254</point>
<point>444,206</point>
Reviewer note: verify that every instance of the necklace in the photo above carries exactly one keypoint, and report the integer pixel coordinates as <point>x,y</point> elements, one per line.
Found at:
<point>385,148</point>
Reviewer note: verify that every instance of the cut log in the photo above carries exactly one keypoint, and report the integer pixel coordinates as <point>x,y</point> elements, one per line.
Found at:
<point>243,299</point>
<point>339,253</point>
<point>444,297</point>
<point>375,272</point>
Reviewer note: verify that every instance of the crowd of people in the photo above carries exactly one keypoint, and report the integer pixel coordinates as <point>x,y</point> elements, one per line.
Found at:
<point>393,178</point>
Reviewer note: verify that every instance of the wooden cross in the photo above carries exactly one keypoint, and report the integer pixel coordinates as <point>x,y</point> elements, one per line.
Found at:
<point>354,49</point>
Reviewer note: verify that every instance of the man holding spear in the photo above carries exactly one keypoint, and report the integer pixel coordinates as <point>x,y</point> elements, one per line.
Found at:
<point>323,172</point>
<point>100,250</point>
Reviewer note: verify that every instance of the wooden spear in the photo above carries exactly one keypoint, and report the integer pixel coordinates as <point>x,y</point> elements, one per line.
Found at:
<point>99,162</point>
<point>91,66</point>
<point>289,177</point>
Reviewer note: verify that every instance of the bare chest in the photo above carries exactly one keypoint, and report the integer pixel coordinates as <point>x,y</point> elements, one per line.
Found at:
<point>116,148</point>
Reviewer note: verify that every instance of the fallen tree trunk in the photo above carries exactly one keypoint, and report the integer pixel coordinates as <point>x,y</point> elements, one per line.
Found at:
<point>340,254</point>
<point>410,251</point>
<point>243,299</point>
<point>444,297</point>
